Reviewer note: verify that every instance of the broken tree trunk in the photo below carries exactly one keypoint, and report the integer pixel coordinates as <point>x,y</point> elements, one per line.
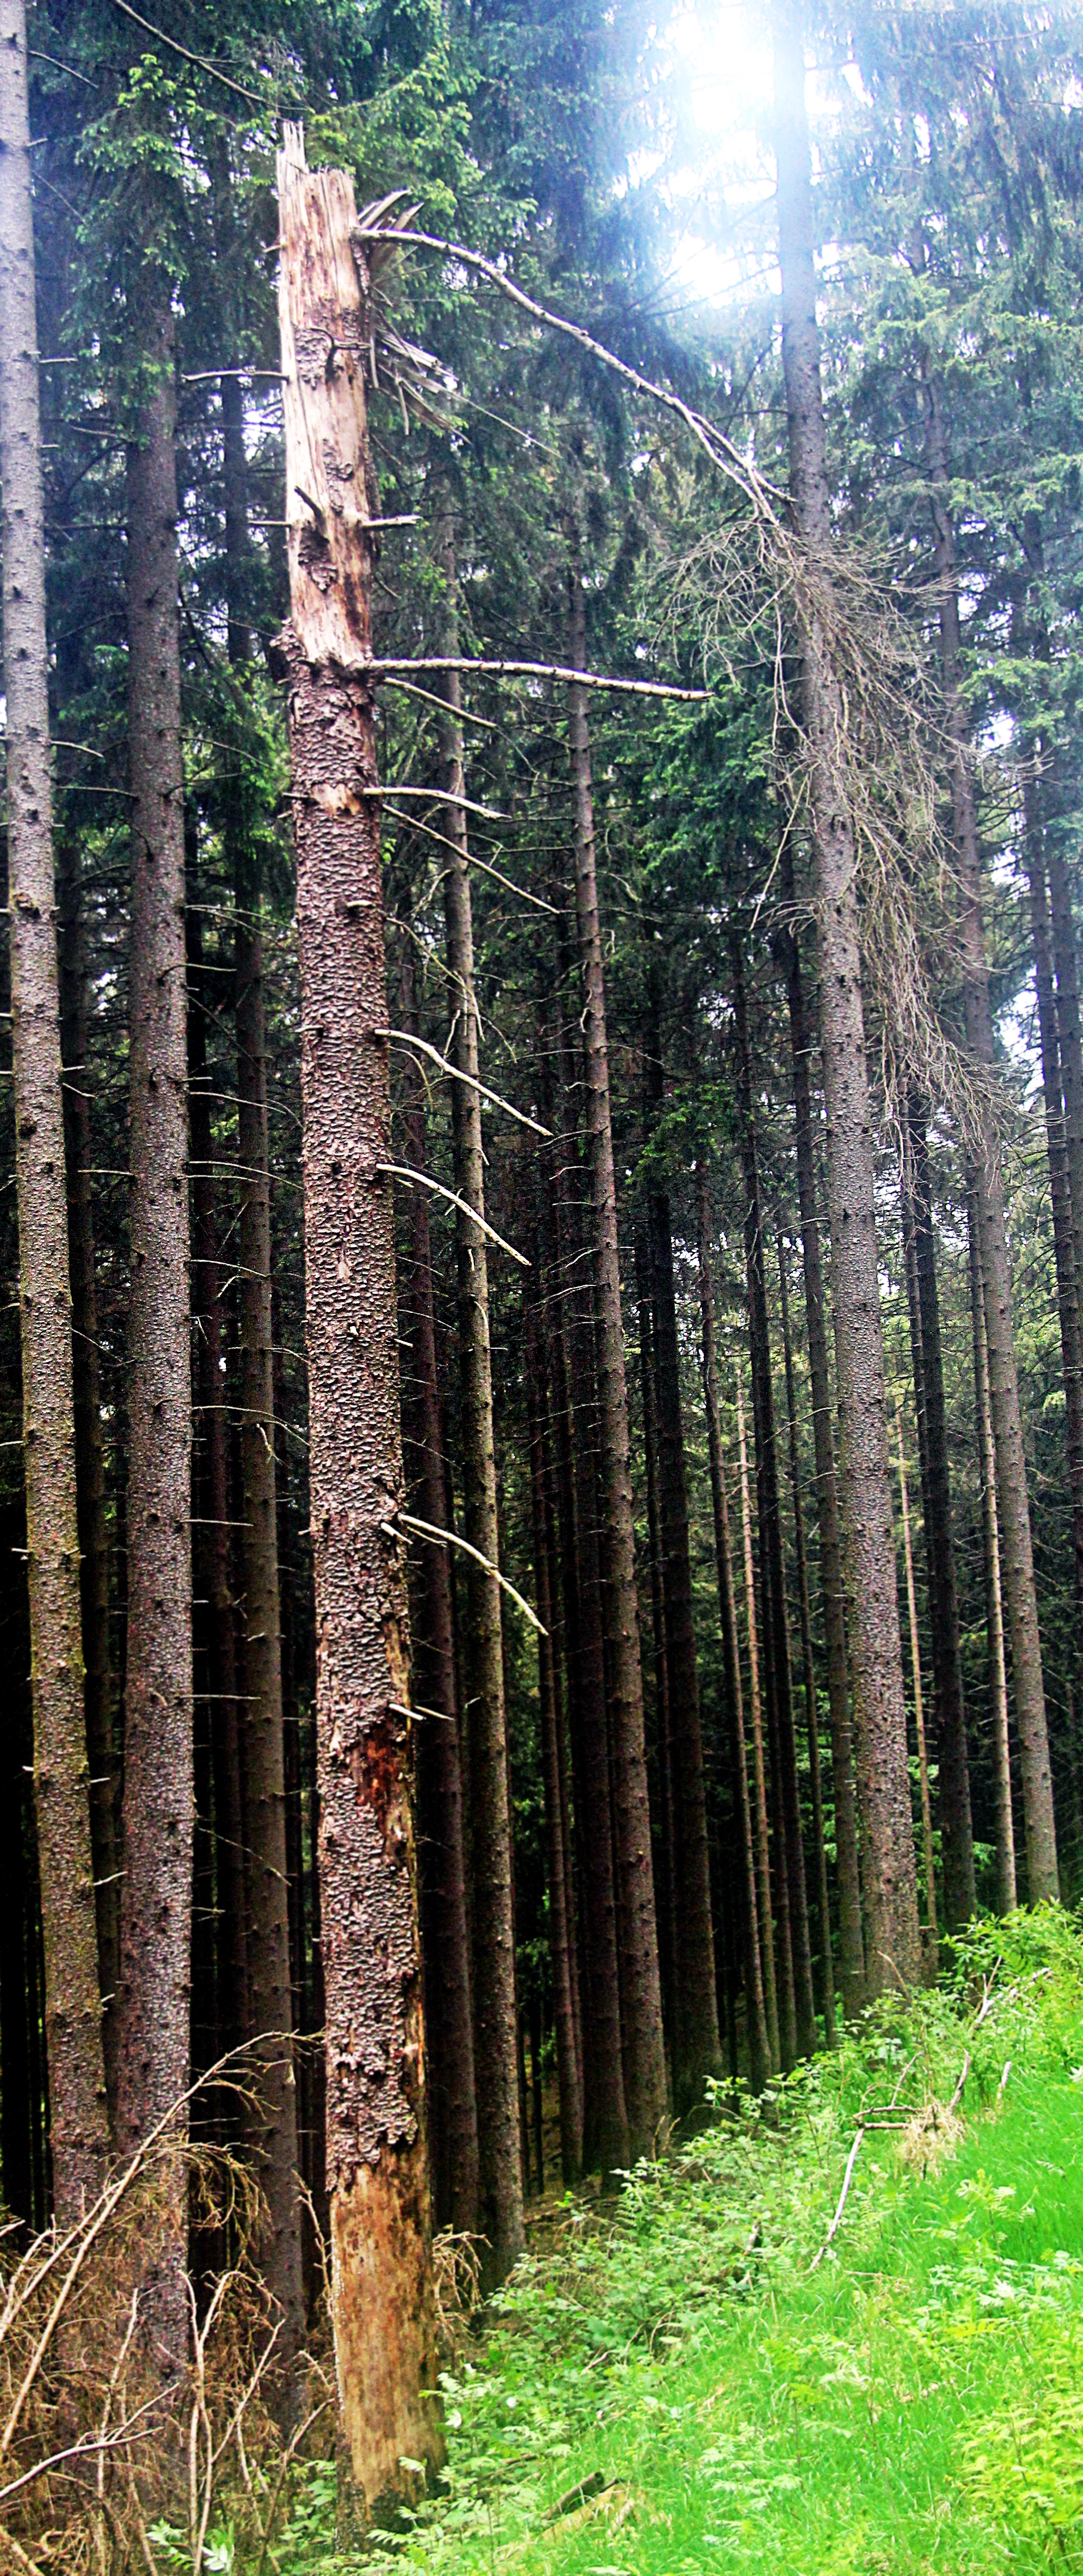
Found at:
<point>377,2166</point>
<point>80,2137</point>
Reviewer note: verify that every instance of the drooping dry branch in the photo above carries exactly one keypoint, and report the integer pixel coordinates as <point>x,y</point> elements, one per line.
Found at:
<point>420,1046</point>
<point>451,1538</point>
<point>424,1181</point>
<point>504,670</point>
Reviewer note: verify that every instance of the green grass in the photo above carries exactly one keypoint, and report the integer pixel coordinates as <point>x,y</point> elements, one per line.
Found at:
<point>913,2402</point>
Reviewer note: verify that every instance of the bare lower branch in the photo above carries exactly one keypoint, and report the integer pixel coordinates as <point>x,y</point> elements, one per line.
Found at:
<point>450,1538</point>
<point>402,1037</point>
<point>423,1181</point>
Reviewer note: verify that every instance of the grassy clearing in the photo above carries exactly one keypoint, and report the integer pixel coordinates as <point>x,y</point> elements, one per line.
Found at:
<point>911,2402</point>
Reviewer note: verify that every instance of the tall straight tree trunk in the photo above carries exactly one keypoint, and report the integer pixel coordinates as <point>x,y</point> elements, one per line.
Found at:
<point>98,1697</point>
<point>261,1609</point>
<point>445,1949</point>
<point>812,1725</point>
<point>159,1802</point>
<point>893,1948</point>
<point>665,1894</point>
<point>559,1911</point>
<point>994,1610</point>
<point>852,1948</point>
<point>957,1840</point>
<point>697,2051</point>
<point>211,1549</point>
<point>641,1999</point>
<point>932,1934</point>
<point>773,1568</point>
<point>1069,1031</point>
<point>759,1775</point>
<point>382,2295</point>
<point>758,2043</point>
<point>80,2131</point>
<point>496,2073</point>
<point>1017,1560</point>
<point>605,2122</point>
<point>1059,1178</point>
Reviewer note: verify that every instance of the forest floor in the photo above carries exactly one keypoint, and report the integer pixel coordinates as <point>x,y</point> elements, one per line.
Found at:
<point>697,2381</point>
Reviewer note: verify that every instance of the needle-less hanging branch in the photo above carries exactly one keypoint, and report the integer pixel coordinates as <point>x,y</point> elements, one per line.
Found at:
<point>420,1046</point>
<point>413,823</point>
<point>450,1538</point>
<point>424,1181</point>
<point>504,670</point>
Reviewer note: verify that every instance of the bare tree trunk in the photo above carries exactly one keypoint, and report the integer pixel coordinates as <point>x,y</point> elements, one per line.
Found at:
<point>957,1840</point>
<point>80,2131</point>
<point>261,1630</point>
<point>1069,1033</point>
<point>98,1694</point>
<point>994,1612</point>
<point>559,1927</point>
<point>1017,1560</point>
<point>759,1777</point>
<point>1059,1178</point>
<point>832,1587</point>
<point>641,2001</point>
<point>383,2305</point>
<point>605,2124</point>
<point>758,2042</point>
<point>893,1948</point>
<point>666,1899</point>
<point>772,1564</point>
<point>211,1550</point>
<point>445,1948</point>
<point>697,2051</point>
<point>919,1713</point>
<point>811,1716</point>
<point>156,1897</point>
<point>496,2074</point>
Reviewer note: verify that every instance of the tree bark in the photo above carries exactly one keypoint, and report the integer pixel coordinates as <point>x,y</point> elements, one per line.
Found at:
<point>931,1931</point>
<point>697,2050</point>
<point>809,1669</point>
<point>275,2132</point>
<point>665,1882</point>
<point>759,1777</point>
<point>994,1610</point>
<point>641,2001</point>
<point>98,1694</point>
<point>559,1914</point>
<point>848,1873</point>
<point>382,2296</point>
<point>496,2073</point>
<point>80,2134</point>
<point>893,1948</point>
<point>1069,1032</point>
<point>759,2057</point>
<point>1017,1560</point>
<point>772,1562</point>
<point>956,1835</point>
<point>445,1944</point>
<point>1059,1178</point>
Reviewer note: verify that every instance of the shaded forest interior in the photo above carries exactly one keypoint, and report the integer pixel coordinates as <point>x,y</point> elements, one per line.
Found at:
<point>541,1360</point>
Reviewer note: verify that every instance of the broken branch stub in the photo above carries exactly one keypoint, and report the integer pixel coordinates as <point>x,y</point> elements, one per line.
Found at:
<point>382,2295</point>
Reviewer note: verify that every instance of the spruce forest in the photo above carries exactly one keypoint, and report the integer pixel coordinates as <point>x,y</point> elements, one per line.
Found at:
<point>541,1326</point>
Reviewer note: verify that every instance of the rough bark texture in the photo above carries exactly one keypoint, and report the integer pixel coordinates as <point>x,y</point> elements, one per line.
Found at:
<point>919,1713</point>
<point>558,1911</point>
<point>80,2137</point>
<point>1017,1559</point>
<point>453,2125</point>
<point>994,1608</point>
<point>1059,1178</point>
<point>759,1775</point>
<point>759,2060</point>
<point>696,2043</point>
<point>1069,1030</point>
<point>641,2001</point>
<point>848,1874</point>
<point>605,2123</point>
<point>812,1726</point>
<point>98,1698</point>
<point>893,1950</point>
<point>275,2128</point>
<point>957,1840</point>
<point>772,1561</point>
<point>383,2308</point>
<point>500,2201</point>
<point>664,1880</point>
